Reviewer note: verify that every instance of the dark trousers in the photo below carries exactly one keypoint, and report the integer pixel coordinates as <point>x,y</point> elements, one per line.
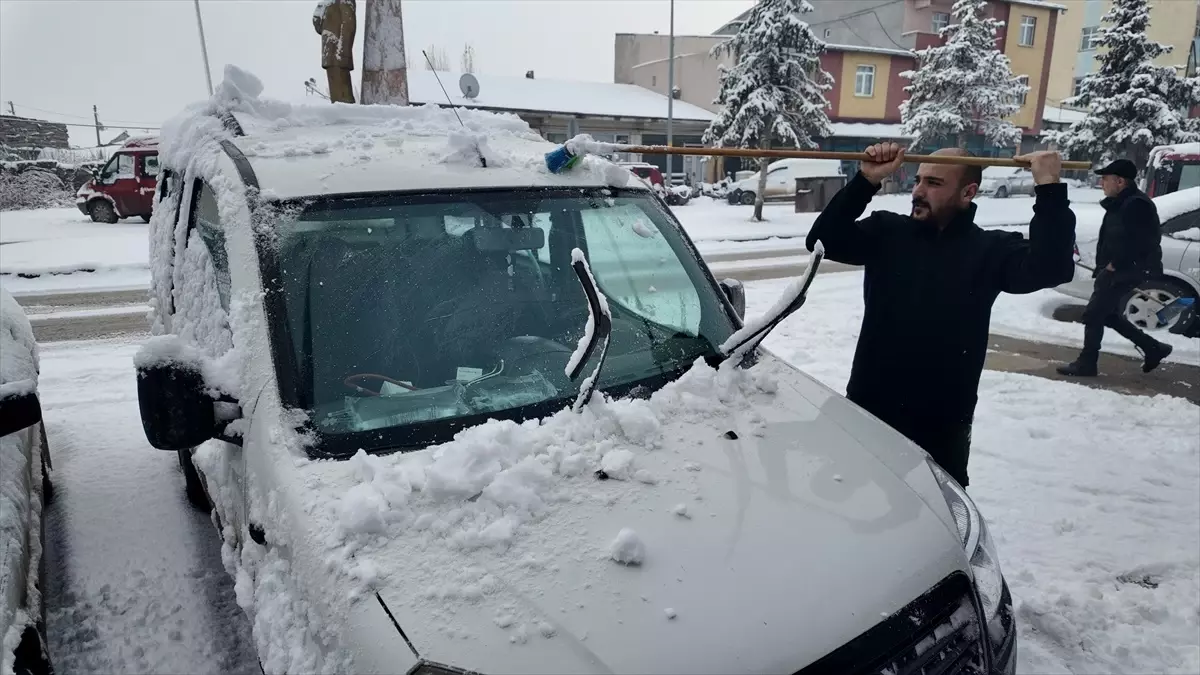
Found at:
<point>1104,309</point>
<point>946,438</point>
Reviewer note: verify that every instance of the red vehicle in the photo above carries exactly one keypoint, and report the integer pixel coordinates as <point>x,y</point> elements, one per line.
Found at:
<point>1172,168</point>
<point>125,186</point>
<point>647,172</point>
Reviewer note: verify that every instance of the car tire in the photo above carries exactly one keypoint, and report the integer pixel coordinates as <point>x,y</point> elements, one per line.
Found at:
<point>1001,192</point>
<point>102,211</point>
<point>746,198</point>
<point>193,484</point>
<point>145,218</point>
<point>1141,312</point>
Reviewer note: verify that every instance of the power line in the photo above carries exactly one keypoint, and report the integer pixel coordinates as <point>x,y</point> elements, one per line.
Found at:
<point>114,123</point>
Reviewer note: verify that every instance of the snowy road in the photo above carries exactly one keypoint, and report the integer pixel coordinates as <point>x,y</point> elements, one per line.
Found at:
<point>136,582</point>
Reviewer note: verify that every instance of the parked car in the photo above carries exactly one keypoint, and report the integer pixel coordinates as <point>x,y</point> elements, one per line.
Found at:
<point>124,187</point>
<point>1172,168</point>
<point>781,179</point>
<point>648,172</point>
<point>1179,215</point>
<point>25,489</point>
<point>1006,181</point>
<point>421,325</point>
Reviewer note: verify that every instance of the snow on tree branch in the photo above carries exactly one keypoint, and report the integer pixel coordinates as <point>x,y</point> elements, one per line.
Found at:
<point>1133,104</point>
<point>964,86</point>
<point>775,91</point>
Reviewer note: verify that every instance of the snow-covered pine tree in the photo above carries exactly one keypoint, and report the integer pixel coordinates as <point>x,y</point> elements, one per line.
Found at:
<point>1133,105</point>
<point>964,86</point>
<point>775,92</point>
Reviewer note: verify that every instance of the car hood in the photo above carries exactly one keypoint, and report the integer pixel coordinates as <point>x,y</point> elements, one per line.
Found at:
<point>805,525</point>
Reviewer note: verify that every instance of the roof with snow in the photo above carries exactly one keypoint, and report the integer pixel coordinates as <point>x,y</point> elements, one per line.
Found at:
<point>1062,115</point>
<point>568,97</point>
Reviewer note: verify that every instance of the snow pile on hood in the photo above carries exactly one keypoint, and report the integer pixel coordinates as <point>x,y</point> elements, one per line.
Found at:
<point>1177,203</point>
<point>477,496</point>
<point>18,349</point>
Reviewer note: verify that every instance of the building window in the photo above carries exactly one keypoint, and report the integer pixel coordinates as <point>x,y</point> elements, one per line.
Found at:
<point>1028,30</point>
<point>1088,37</point>
<point>1077,86</point>
<point>828,32</point>
<point>653,80</point>
<point>864,81</point>
<point>1020,99</point>
<point>940,21</point>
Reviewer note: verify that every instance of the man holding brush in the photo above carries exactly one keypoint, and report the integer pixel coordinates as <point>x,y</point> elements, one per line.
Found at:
<point>930,280</point>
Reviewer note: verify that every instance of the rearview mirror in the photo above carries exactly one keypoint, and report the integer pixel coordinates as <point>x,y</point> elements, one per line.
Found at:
<point>493,239</point>
<point>177,414</point>
<point>19,411</point>
<point>737,295</point>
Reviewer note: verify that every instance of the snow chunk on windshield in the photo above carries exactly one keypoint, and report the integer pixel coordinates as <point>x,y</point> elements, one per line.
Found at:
<point>627,548</point>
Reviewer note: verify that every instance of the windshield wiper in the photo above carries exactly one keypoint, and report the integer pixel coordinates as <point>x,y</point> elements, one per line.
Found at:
<point>596,332</point>
<point>750,335</point>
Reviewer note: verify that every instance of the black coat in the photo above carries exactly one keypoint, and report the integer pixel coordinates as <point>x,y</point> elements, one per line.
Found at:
<point>1130,239</point>
<point>929,295</point>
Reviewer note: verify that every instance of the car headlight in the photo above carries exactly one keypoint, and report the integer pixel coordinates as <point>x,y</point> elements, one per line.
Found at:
<point>973,532</point>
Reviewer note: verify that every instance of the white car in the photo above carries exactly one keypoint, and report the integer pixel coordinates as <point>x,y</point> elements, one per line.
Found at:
<point>1179,216</point>
<point>1005,181</point>
<point>781,179</point>
<point>463,419</point>
<point>24,492</point>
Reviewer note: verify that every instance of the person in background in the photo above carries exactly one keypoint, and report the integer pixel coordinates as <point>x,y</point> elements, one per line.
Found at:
<point>1128,252</point>
<point>929,283</point>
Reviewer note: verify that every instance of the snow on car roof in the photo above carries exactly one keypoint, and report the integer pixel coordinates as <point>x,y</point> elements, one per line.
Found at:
<point>299,150</point>
<point>1161,152</point>
<point>18,349</point>
<point>1177,203</point>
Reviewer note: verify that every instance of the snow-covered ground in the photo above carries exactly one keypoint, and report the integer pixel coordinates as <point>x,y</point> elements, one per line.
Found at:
<point>1093,497</point>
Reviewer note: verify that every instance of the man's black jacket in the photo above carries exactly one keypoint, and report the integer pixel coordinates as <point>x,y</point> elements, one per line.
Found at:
<point>929,295</point>
<point>1129,237</point>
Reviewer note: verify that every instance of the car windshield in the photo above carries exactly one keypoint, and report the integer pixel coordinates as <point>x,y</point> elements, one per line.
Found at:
<point>409,317</point>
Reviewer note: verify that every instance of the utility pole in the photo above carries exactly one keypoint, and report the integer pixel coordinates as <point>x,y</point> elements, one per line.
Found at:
<point>385,69</point>
<point>203,49</point>
<point>11,111</point>
<point>96,116</point>
<point>671,94</point>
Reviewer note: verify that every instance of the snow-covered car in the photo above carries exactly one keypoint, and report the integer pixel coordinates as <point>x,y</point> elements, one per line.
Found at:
<point>1005,181</point>
<point>24,492</point>
<point>781,179</point>
<point>465,418</point>
<point>1147,306</point>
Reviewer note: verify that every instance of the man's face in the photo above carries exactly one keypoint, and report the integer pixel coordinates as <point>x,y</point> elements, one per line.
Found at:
<point>939,194</point>
<point>1112,185</point>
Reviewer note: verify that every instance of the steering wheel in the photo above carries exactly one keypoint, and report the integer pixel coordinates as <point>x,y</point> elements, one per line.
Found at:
<point>350,382</point>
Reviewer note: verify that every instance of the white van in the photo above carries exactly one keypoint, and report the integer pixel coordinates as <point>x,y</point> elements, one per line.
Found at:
<point>781,179</point>
<point>454,418</point>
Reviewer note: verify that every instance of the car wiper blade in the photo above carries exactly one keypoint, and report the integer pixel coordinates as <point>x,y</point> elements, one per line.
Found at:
<point>595,333</point>
<point>750,335</point>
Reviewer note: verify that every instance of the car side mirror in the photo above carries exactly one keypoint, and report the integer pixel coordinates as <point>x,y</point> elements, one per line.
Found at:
<point>736,292</point>
<point>19,411</point>
<point>177,413</point>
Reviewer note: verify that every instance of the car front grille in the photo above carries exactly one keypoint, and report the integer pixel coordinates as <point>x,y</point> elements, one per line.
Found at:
<point>937,634</point>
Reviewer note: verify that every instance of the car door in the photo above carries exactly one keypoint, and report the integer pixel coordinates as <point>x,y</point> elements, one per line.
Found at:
<point>119,181</point>
<point>147,177</point>
<point>1181,244</point>
<point>777,183</point>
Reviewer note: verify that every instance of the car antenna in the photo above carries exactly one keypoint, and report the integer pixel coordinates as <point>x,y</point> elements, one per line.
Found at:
<point>450,102</point>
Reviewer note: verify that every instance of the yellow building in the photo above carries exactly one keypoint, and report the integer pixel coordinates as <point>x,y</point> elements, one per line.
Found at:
<point>1172,22</point>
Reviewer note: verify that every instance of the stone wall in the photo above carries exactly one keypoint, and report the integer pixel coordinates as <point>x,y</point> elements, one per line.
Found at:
<point>23,132</point>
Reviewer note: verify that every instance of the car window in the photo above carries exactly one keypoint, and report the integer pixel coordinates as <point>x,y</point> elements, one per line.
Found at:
<point>150,166</point>
<point>120,166</point>
<point>1182,222</point>
<point>208,224</point>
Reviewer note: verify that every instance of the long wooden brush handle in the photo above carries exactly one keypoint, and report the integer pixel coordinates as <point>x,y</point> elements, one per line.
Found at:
<point>827,154</point>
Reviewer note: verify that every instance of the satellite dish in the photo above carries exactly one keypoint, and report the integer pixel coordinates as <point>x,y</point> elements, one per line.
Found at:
<point>469,85</point>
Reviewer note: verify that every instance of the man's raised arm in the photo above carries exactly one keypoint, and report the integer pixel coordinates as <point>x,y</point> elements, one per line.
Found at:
<point>1046,259</point>
<point>847,239</point>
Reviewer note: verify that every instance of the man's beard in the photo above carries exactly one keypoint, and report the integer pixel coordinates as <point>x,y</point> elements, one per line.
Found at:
<point>922,203</point>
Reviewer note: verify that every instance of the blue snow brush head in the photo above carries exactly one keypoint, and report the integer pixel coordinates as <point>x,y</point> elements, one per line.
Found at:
<point>561,159</point>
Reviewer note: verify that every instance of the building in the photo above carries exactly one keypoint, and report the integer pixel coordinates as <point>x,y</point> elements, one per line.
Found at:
<point>868,48</point>
<point>1172,22</point>
<point>560,109</point>
<point>23,137</point>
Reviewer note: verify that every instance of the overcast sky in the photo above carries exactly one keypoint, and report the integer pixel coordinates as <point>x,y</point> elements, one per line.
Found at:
<point>139,60</point>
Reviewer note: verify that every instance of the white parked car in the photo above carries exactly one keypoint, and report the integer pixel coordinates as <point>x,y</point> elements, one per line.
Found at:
<point>781,179</point>
<point>379,359</point>
<point>1006,181</point>
<point>24,492</point>
<point>1179,218</point>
